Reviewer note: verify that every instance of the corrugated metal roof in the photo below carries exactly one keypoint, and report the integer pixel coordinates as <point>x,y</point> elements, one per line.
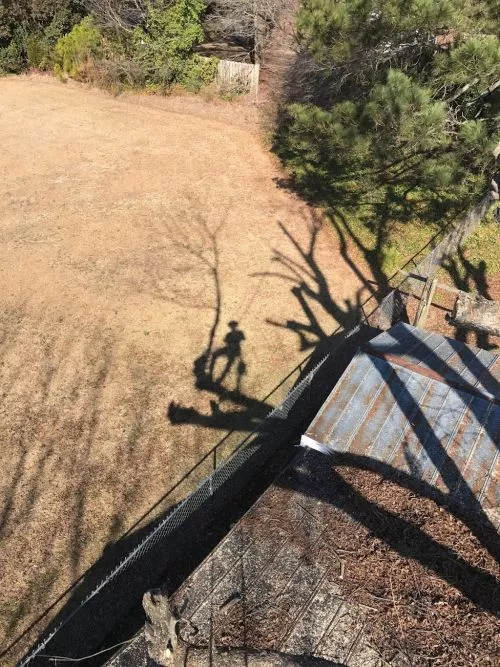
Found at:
<point>422,404</point>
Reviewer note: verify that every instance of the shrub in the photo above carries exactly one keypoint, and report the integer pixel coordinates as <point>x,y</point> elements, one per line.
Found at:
<point>165,44</point>
<point>39,52</point>
<point>12,56</point>
<point>156,54</point>
<point>29,30</point>
<point>116,73</point>
<point>198,72</point>
<point>78,48</point>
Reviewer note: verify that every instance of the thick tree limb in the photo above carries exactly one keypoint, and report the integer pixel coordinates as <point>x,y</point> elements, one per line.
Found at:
<point>168,638</point>
<point>473,311</point>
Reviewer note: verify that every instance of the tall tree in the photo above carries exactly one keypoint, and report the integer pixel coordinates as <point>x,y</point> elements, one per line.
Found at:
<point>404,106</point>
<point>43,20</point>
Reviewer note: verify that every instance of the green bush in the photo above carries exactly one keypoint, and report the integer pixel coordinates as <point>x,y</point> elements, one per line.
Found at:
<point>157,54</point>
<point>78,48</point>
<point>29,30</point>
<point>12,56</point>
<point>39,52</point>
<point>164,46</point>
<point>198,72</point>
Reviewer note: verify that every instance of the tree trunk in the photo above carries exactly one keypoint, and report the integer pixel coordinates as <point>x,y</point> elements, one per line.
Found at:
<point>165,630</point>
<point>473,311</point>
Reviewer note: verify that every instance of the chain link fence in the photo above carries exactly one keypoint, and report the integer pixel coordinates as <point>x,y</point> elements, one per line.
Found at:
<point>231,466</point>
<point>220,476</point>
<point>160,536</point>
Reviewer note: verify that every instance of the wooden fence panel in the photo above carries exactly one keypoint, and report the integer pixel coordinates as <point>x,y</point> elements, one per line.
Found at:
<point>241,76</point>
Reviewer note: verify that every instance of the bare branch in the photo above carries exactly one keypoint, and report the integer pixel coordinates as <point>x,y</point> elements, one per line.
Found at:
<point>248,23</point>
<point>118,14</point>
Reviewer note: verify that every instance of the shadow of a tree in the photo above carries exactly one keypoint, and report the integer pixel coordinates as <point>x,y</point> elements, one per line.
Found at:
<point>323,480</point>
<point>219,370</point>
<point>370,196</point>
<point>320,477</point>
<point>470,277</point>
<point>311,287</point>
<point>213,370</point>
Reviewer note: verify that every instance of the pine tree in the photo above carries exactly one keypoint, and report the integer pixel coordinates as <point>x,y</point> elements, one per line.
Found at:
<point>404,106</point>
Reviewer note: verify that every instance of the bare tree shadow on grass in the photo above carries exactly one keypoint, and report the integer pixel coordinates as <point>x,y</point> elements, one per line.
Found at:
<point>310,286</point>
<point>220,370</point>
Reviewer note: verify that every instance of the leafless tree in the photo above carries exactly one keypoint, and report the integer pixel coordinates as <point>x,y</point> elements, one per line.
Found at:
<point>322,82</point>
<point>248,23</point>
<point>118,14</point>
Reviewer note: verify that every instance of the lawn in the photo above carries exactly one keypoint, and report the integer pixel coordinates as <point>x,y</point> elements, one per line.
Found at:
<point>156,283</point>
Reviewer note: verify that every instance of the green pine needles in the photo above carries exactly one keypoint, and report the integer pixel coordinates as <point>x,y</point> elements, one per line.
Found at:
<point>400,114</point>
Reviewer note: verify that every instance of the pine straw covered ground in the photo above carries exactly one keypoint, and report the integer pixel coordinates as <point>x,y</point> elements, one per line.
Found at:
<point>415,585</point>
<point>430,584</point>
<point>338,562</point>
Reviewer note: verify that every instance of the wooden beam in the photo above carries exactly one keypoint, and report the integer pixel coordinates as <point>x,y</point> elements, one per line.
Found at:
<point>442,286</point>
<point>425,302</point>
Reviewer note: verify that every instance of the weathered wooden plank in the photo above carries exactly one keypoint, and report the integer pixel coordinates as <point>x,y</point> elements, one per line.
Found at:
<point>244,76</point>
<point>473,311</point>
<point>440,286</point>
<point>425,302</point>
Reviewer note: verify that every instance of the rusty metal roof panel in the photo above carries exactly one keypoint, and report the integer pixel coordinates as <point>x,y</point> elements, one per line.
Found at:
<point>450,358</point>
<point>422,404</point>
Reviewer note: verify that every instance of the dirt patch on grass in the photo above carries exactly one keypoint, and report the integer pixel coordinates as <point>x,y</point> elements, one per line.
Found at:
<point>132,232</point>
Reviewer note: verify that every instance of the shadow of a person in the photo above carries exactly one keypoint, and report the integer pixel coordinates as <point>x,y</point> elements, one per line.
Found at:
<point>203,380</point>
<point>231,351</point>
<point>241,371</point>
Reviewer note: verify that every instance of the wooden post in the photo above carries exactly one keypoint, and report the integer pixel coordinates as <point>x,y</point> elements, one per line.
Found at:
<point>425,302</point>
<point>255,80</point>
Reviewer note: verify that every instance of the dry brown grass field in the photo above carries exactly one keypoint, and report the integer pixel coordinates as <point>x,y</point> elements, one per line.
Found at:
<point>132,232</point>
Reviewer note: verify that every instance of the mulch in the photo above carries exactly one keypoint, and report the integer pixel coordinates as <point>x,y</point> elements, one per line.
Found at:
<point>429,581</point>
